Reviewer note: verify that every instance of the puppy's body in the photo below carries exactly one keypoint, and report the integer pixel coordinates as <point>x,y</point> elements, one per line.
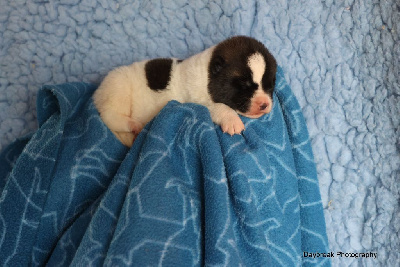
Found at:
<point>235,76</point>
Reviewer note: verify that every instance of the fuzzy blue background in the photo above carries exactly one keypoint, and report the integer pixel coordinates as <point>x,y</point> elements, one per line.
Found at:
<point>340,58</point>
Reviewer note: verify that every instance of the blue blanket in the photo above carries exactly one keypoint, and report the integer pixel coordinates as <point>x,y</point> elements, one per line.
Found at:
<point>185,194</point>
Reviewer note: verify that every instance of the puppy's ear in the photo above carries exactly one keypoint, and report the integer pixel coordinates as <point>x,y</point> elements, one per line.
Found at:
<point>217,64</point>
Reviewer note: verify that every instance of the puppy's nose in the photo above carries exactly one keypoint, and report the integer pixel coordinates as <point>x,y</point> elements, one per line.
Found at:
<point>263,106</point>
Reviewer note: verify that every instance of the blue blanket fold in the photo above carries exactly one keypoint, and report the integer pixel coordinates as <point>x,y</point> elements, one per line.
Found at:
<point>185,194</point>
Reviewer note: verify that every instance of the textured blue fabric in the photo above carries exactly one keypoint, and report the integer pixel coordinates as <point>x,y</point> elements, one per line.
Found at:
<point>185,194</point>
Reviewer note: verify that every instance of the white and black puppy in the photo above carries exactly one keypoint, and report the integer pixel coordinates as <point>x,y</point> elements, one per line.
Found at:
<point>236,76</point>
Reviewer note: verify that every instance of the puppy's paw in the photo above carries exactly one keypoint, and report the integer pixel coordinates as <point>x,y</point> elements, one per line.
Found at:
<point>232,124</point>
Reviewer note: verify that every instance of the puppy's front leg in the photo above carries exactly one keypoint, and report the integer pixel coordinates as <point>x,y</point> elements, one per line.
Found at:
<point>226,117</point>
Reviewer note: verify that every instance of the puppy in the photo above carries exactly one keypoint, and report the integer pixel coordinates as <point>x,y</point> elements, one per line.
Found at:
<point>236,76</point>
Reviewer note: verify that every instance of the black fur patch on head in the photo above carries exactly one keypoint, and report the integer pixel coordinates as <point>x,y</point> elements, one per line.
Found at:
<point>158,73</point>
<point>230,77</point>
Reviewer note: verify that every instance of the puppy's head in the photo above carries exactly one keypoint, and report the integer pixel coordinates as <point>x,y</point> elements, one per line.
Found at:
<point>242,75</point>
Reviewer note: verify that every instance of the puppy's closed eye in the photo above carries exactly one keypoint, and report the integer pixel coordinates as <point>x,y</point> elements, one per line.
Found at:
<point>249,84</point>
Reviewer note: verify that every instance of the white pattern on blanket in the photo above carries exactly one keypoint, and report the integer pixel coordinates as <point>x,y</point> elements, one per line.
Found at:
<point>341,60</point>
